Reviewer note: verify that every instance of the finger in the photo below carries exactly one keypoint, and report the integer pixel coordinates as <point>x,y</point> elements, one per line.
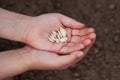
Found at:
<point>87,42</point>
<point>74,46</point>
<point>56,47</point>
<point>67,60</point>
<point>70,23</point>
<point>81,56</point>
<point>86,50</point>
<point>71,47</point>
<point>82,38</point>
<point>82,32</point>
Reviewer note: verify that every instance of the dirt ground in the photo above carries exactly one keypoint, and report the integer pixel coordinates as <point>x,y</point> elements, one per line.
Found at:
<point>103,60</point>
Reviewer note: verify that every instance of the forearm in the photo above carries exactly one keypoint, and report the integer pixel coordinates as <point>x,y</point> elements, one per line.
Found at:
<point>13,62</point>
<point>11,25</point>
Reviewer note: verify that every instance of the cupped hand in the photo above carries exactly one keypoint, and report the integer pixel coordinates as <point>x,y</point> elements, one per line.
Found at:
<point>45,60</point>
<point>39,28</point>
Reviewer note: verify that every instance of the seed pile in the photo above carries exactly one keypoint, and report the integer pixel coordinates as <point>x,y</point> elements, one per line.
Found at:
<point>58,36</point>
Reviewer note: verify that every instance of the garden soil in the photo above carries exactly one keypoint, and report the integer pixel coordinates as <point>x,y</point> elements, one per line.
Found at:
<point>102,61</point>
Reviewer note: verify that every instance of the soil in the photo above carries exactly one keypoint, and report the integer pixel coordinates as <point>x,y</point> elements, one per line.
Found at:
<point>102,61</point>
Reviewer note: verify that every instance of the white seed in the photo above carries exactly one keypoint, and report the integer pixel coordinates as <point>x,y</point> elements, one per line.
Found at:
<point>63,39</point>
<point>60,34</point>
<point>54,33</point>
<point>54,36</point>
<point>63,32</point>
<point>51,39</point>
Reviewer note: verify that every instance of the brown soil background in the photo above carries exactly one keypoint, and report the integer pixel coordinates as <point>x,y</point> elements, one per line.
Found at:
<point>103,60</point>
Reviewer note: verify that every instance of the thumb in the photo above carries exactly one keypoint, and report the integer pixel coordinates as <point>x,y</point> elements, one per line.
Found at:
<point>69,59</point>
<point>70,23</point>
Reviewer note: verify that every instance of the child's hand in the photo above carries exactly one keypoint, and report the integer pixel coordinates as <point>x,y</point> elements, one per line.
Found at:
<point>39,28</point>
<point>35,31</point>
<point>17,61</point>
<point>45,60</point>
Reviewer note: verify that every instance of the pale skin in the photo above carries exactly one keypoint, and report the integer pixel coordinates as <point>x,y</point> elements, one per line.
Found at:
<point>34,31</point>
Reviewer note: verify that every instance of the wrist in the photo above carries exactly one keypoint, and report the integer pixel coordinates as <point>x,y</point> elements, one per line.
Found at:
<point>14,62</point>
<point>22,28</point>
<point>27,58</point>
<point>12,25</point>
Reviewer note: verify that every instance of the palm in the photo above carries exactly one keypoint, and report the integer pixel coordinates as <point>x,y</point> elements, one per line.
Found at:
<point>38,34</point>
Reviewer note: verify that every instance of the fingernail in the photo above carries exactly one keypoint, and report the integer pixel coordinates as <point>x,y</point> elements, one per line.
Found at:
<point>79,54</point>
<point>93,35</point>
<point>89,41</point>
<point>82,24</point>
<point>91,29</point>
